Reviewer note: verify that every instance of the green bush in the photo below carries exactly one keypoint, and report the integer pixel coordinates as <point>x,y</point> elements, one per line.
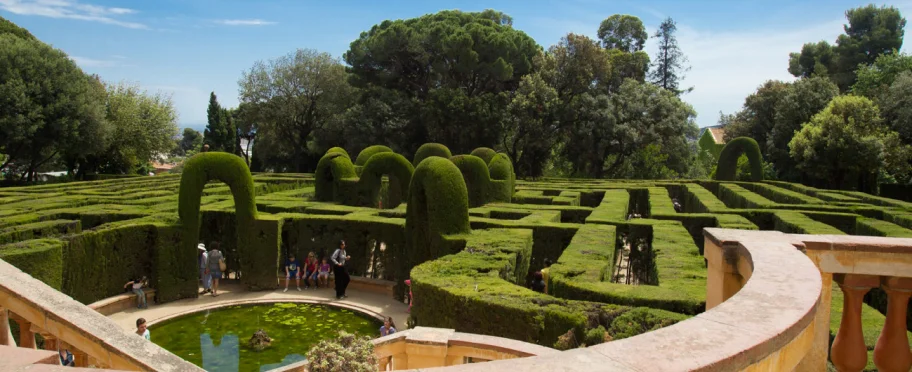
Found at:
<point>501,169</point>
<point>338,150</point>
<point>641,320</point>
<point>735,196</point>
<point>477,178</point>
<point>484,153</point>
<point>728,159</point>
<point>98,263</point>
<point>369,151</point>
<point>431,149</point>
<point>613,208</point>
<point>331,170</point>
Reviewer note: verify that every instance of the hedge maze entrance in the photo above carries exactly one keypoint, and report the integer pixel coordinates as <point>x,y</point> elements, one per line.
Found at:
<point>627,254</point>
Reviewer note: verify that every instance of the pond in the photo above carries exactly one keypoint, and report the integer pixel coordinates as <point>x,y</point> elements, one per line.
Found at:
<point>216,340</point>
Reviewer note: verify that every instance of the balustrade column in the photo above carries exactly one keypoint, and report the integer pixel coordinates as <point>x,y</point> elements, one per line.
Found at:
<point>26,337</point>
<point>891,354</point>
<point>6,336</point>
<point>849,352</point>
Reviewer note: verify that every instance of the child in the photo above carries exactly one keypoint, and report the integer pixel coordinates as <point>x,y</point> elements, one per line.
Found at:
<point>291,270</point>
<point>323,277</point>
<point>137,289</point>
<point>310,271</point>
<point>142,330</point>
<point>388,327</point>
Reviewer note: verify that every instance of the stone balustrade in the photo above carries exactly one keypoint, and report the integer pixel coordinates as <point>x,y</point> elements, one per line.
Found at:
<point>767,309</point>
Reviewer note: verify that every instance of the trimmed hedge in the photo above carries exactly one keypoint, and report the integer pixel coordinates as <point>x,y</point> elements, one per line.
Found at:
<point>486,154</point>
<point>98,263</point>
<point>400,173</point>
<point>792,222</point>
<point>337,149</point>
<point>728,159</point>
<point>40,258</point>
<point>331,169</point>
<point>369,151</point>
<point>474,291</point>
<point>780,195</point>
<point>39,230</point>
<point>613,207</point>
<point>735,196</point>
<point>232,170</point>
<point>431,149</point>
<point>438,206</point>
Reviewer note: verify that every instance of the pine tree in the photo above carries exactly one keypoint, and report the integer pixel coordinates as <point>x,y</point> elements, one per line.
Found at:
<point>670,63</point>
<point>215,126</point>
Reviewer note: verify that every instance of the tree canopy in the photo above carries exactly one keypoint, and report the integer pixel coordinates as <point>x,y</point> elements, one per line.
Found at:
<point>623,32</point>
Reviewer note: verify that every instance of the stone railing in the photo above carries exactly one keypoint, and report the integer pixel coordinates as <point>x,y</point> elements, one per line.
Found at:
<point>65,323</point>
<point>424,347</point>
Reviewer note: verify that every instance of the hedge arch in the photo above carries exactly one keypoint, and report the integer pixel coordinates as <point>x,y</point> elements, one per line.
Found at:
<point>438,206</point>
<point>399,170</point>
<point>476,176</point>
<point>728,159</point>
<point>485,153</point>
<point>431,149</point>
<point>501,169</point>
<point>332,168</point>
<point>339,150</point>
<point>199,170</point>
<point>369,151</point>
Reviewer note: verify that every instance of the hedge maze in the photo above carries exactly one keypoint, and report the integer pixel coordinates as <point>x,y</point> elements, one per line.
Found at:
<point>627,255</point>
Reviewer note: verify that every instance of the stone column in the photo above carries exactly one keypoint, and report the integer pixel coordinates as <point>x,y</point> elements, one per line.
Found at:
<point>816,358</point>
<point>26,337</point>
<point>6,335</point>
<point>892,351</point>
<point>849,352</point>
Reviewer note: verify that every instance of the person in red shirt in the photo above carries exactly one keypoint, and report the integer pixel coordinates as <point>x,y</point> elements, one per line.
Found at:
<point>310,271</point>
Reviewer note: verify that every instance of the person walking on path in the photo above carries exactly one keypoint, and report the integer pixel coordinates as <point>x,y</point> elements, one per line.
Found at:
<point>204,269</point>
<point>215,269</point>
<point>338,259</point>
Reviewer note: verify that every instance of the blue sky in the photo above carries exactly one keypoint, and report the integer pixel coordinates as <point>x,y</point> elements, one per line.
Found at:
<point>188,48</point>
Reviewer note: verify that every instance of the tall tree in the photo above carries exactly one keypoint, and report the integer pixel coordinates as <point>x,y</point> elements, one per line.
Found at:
<point>623,32</point>
<point>219,133</point>
<point>846,145</point>
<point>873,80</point>
<point>531,126</point>
<point>296,95</point>
<point>45,100</point>
<point>670,63</point>
<point>452,66</point>
<point>758,115</point>
<point>871,32</point>
<point>191,141</point>
<point>799,102</point>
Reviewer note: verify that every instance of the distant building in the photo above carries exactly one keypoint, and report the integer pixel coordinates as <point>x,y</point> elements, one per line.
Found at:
<point>712,139</point>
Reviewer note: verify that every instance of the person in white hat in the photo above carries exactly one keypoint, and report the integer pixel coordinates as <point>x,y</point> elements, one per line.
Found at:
<point>204,268</point>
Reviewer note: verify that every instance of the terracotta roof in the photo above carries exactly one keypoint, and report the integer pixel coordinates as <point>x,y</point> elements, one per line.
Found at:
<point>163,166</point>
<point>718,133</point>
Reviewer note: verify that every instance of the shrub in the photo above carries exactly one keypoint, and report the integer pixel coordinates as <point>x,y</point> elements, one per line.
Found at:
<point>331,169</point>
<point>431,149</point>
<point>348,353</point>
<point>728,159</point>
<point>338,150</point>
<point>385,163</point>
<point>484,153</point>
<point>641,320</point>
<point>438,205</point>
<point>369,151</point>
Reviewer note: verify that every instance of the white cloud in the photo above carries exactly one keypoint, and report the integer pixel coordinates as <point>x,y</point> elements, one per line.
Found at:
<point>244,22</point>
<point>71,9</point>
<point>91,62</point>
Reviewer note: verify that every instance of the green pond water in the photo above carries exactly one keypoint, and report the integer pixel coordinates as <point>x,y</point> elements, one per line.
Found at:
<point>216,340</point>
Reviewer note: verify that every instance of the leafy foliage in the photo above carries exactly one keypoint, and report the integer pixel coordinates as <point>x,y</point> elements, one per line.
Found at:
<point>623,32</point>
<point>348,352</point>
<point>670,63</point>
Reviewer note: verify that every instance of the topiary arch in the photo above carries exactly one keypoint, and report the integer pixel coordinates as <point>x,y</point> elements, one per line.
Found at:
<point>431,149</point>
<point>399,170</point>
<point>369,151</point>
<point>477,178</point>
<point>438,206</point>
<point>485,153</point>
<point>199,170</point>
<point>728,159</point>
<point>332,167</point>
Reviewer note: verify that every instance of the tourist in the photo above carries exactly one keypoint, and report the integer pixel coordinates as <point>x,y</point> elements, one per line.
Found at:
<point>339,257</point>
<point>310,271</point>
<point>137,289</point>
<point>291,270</point>
<point>66,358</point>
<point>538,283</point>
<point>216,260</point>
<point>323,277</point>
<point>206,148</point>
<point>142,330</point>
<point>204,268</point>
<point>388,327</point>
<point>544,273</point>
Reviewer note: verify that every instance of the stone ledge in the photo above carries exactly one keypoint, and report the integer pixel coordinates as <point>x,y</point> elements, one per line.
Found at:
<point>11,356</point>
<point>121,302</point>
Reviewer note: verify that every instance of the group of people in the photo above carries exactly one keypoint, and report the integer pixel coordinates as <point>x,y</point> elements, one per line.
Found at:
<point>315,272</point>
<point>211,265</point>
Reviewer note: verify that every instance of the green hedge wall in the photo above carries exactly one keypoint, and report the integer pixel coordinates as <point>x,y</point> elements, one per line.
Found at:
<point>475,291</point>
<point>486,154</point>
<point>331,169</point>
<point>728,159</point>
<point>613,207</point>
<point>779,194</point>
<point>431,149</point>
<point>792,222</point>
<point>40,258</point>
<point>735,196</point>
<point>98,263</point>
<point>396,167</point>
<point>38,230</point>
